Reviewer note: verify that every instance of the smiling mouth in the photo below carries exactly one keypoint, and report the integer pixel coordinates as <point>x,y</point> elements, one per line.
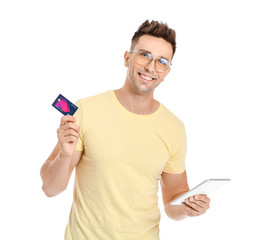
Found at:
<point>146,77</point>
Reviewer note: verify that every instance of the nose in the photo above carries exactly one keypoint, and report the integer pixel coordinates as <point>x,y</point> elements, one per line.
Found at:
<point>151,66</point>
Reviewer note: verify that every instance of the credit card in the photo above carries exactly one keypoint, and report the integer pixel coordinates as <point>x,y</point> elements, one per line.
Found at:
<point>65,106</point>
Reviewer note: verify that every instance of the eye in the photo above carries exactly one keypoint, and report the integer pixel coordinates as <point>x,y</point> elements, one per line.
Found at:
<point>145,55</point>
<point>163,61</point>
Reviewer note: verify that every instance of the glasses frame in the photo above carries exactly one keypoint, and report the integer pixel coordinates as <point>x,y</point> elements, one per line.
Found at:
<point>154,59</point>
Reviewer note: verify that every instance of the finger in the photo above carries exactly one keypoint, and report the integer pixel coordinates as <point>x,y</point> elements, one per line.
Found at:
<point>67,118</point>
<point>190,211</point>
<point>198,208</point>
<point>202,198</point>
<point>204,202</point>
<point>195,206</point>
<point>73,126</point>
<point>71,132</point>
<point>71,139</point>
<point>187,210</point>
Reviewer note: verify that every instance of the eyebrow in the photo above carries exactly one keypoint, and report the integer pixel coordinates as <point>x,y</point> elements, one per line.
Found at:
<point>151,53</point>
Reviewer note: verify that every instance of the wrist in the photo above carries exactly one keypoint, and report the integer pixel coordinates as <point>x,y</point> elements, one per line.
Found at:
<point>175,212</point>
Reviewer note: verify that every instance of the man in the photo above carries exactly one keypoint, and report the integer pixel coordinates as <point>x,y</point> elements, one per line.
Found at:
<point>122,142</point>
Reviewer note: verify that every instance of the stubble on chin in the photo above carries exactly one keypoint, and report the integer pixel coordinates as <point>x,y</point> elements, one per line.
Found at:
<point>140,86</point>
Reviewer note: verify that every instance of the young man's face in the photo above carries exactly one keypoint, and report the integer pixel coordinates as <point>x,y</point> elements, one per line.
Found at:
<point>158,47</point>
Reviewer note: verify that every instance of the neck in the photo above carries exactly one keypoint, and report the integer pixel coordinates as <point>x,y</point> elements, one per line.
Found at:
<point>137,102</point>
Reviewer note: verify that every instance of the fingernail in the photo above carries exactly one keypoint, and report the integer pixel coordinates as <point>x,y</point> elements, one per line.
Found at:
<point>196,197</point>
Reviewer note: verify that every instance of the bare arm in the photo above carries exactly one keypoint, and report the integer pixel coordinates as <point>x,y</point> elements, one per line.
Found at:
<point>175,185</point>
<point>57,169</point>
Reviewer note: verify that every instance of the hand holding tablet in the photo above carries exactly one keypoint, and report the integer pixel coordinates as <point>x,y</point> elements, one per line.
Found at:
<point>204,188</point>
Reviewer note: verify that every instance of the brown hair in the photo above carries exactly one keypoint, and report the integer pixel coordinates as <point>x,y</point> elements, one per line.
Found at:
<point>155,29</point>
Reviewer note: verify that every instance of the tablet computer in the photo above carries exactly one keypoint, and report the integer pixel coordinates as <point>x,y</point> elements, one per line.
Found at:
<point>204,188</point>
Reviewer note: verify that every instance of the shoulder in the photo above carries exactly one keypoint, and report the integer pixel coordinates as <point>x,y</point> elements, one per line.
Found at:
<point>94,99</point>
<point>94,105</point>
<point>172,119</point>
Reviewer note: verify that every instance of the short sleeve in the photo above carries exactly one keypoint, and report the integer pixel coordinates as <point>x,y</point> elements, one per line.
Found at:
<point>79,117</point>
<point>176,162</point>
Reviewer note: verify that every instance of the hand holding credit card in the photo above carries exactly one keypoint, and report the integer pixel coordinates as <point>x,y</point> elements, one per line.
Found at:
<point>65,106</point>
<point>68,131</point>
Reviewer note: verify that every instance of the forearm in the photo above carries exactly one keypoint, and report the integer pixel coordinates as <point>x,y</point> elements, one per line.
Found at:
<point>175,212</point>
<point>55,175</point>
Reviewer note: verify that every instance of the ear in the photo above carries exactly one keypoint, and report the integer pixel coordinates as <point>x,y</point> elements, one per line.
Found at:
<point>126,58</point>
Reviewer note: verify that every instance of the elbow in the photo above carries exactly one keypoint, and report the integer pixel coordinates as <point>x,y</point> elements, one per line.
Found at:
<point>47,193</point>
<point>50,193</point>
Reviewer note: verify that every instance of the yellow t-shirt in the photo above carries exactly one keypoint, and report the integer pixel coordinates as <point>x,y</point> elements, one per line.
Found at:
<point>116,180</point>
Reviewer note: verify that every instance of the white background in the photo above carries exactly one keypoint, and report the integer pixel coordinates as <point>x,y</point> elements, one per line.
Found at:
<point>216,87</point>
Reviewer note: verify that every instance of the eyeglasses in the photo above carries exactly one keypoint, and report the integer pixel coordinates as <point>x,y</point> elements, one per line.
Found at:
<point>144,58</point>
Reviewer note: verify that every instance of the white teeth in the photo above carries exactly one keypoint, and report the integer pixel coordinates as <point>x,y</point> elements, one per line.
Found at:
<point>145,77</point>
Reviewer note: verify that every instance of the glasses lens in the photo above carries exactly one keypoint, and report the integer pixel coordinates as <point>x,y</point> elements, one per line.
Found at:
<point>161,64</point>
<point>143,58</point>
